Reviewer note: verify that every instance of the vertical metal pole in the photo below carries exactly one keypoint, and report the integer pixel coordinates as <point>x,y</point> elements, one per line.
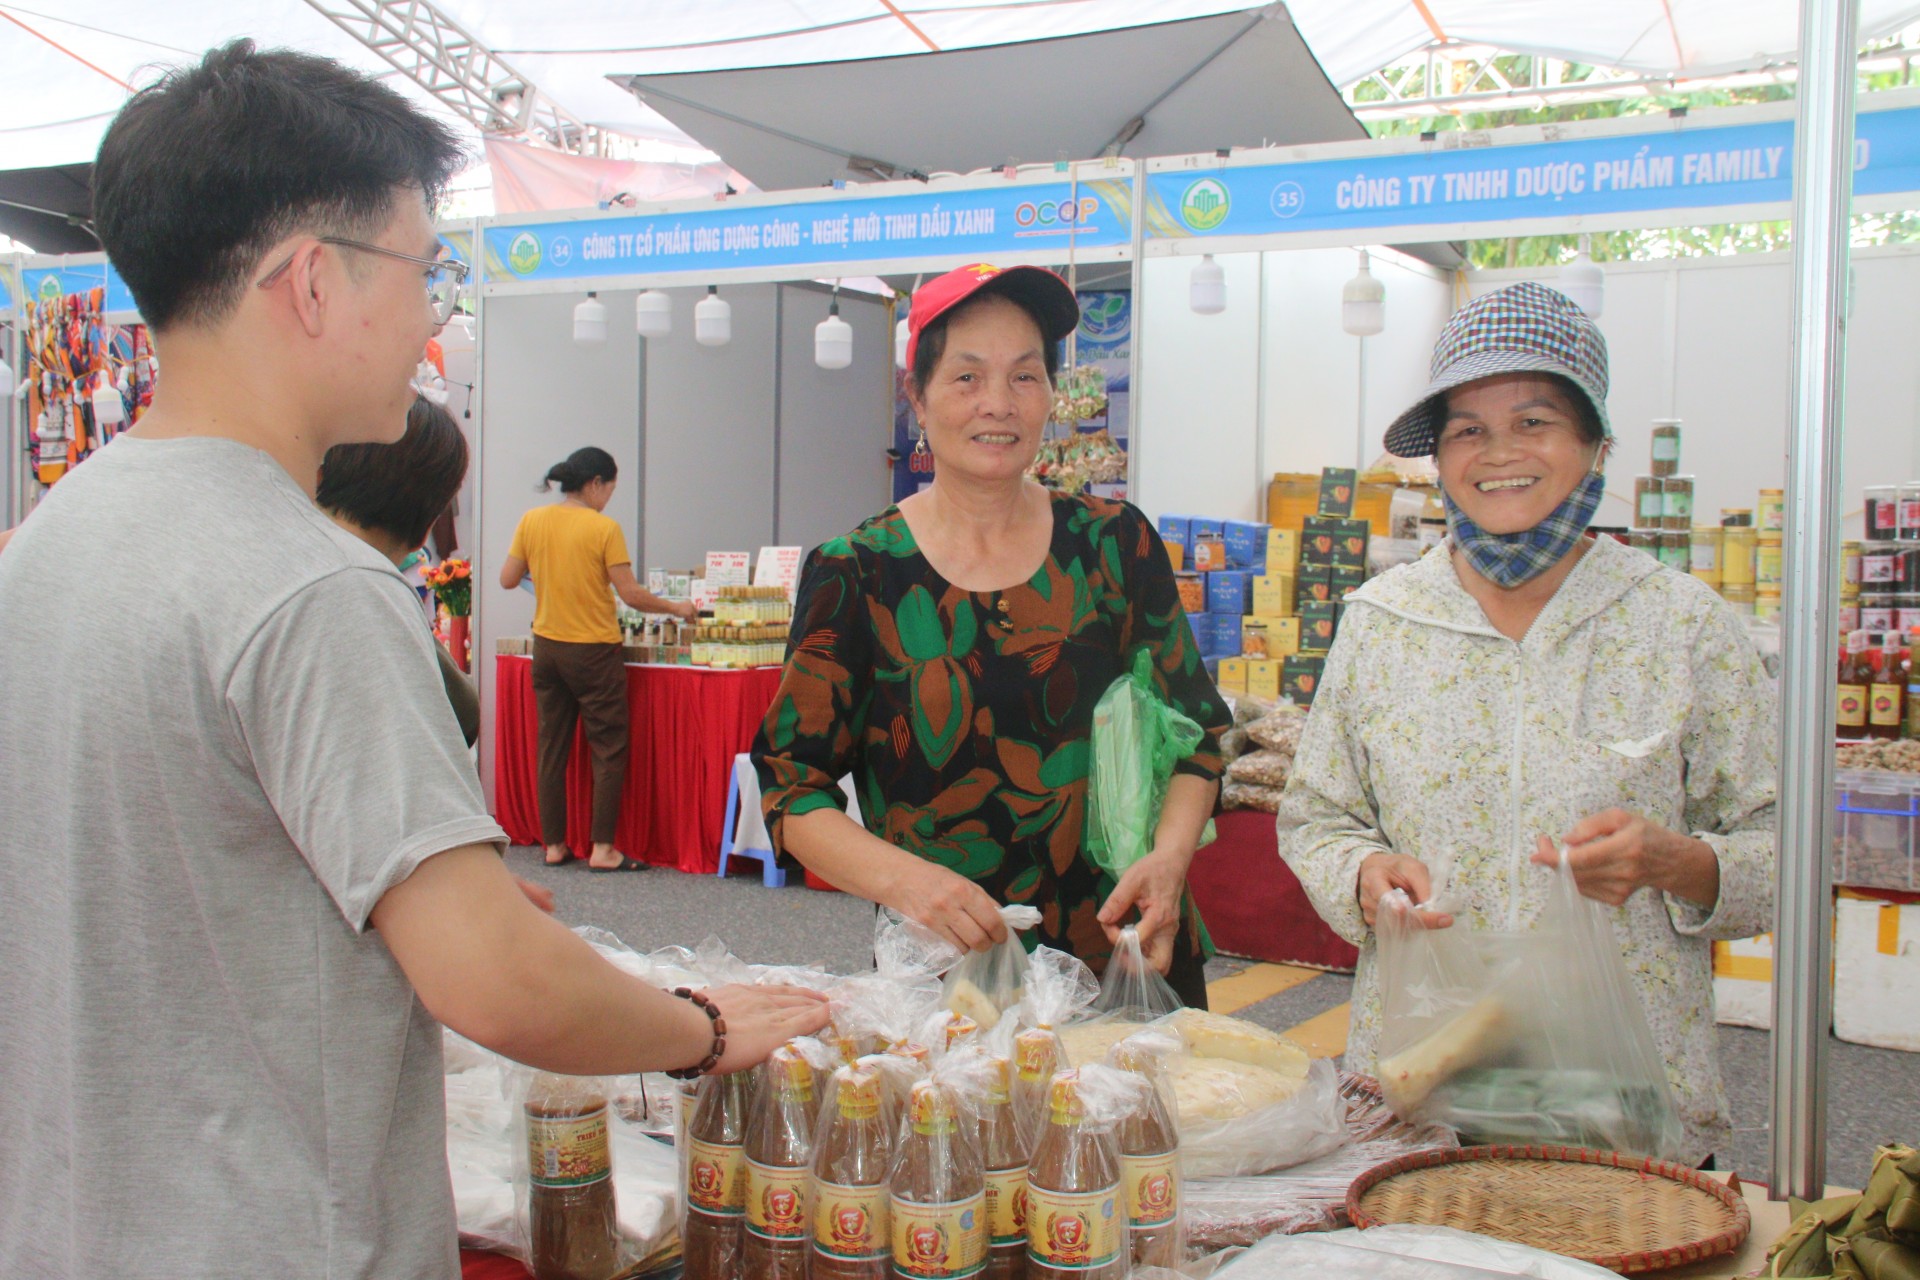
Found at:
<point>1136,394</point>
<point>1803,944</point>
<point>1360,411</point>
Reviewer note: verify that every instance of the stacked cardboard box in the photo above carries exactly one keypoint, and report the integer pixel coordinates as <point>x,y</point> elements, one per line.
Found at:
<point>1271,595</point>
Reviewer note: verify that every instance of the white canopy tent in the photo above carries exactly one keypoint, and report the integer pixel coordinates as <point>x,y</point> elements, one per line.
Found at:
<point>69,65</point>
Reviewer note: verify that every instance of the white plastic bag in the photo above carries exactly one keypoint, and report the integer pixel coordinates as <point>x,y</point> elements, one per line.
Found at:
<point>1521,1037</point>
<point>985,984</point>
<point>1131,989</point>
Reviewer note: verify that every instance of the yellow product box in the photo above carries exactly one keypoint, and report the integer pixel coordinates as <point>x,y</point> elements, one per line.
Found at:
<point>1178,555</point>
<point>1273,595</point>
<point>1263,678</point>
<point>1233,676</point>
<point>1283,551</point>
<point>1283,636</point>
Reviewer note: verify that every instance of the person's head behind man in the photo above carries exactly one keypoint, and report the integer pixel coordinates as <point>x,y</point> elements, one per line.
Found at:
<point>390,494</point>
<point>292,172</point>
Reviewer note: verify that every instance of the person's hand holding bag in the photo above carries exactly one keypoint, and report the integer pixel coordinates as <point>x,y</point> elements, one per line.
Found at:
<point>1382,873</point>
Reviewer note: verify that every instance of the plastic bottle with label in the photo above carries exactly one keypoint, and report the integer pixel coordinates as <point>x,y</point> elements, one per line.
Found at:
<point>1887,695</point>
<point>716,1178</point>
<point>1913,684</point>
<point>937,1207</point>
<point>848,1184</point>
<point>1856,677</point>
<point>779,1149</point>
<point>1150,1168</point>
<point>573,1231</point>
<point>1004,1157</point>
<point>1036,1056</point>
<point>1076,1223</point>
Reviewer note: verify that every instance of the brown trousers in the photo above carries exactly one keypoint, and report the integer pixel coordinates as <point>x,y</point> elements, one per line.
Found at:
<point>574,682</point>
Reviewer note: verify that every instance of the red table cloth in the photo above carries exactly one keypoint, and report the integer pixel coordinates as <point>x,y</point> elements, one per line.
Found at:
<point>1252,902</point>
<point>685,725</point>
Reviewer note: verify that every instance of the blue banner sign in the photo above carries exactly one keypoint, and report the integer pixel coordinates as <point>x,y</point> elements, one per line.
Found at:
<point>1695,168</point>
<point>6,290</point>
<point>49,283</point>
<point>979,222</point>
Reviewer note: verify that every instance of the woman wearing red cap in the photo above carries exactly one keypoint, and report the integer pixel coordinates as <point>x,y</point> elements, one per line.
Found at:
<point>949,653</point>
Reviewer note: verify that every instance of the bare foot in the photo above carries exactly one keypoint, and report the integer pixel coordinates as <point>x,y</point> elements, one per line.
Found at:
<point>606,858</point>
<point>558,855</point>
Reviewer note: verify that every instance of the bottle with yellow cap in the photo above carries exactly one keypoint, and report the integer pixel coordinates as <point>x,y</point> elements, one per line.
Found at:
<point>1036,1056</point>
<point>1150,1166</point>
<point>1076,1223</point>
<point>848,1183</point>
<point>936,1191</point>
<point>1004,1156</point>
<point>779,1148</point>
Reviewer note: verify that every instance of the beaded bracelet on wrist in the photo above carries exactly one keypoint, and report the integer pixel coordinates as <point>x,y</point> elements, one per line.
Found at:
<point>719,1046</point>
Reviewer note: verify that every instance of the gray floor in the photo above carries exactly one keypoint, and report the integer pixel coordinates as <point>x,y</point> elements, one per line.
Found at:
<point>1873,1094</point>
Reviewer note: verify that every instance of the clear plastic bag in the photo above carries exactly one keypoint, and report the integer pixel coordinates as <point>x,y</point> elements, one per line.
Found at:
<point>1131,989</point>
<point>891,1004</point>
<point>1401,1253</point>
<point>1137,740</point>
<point>985,984</point>
<point>1521,1037</point>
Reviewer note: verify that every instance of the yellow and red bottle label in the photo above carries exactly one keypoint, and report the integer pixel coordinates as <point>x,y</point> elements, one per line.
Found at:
<point>776,1202</point>
<point>716,1178</point>
<point>1074,1230</point>
<point>1883,704</point>
<point>850,1223</point>
<point>1007,1206</point>
<point>1852,705</point>
<point>941,1241</point>
<point>1152,1184</point>
<point>568,1151</point>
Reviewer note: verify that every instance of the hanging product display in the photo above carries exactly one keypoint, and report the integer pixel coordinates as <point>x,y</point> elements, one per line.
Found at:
<point>1072,461</point>
<point>86,380</point>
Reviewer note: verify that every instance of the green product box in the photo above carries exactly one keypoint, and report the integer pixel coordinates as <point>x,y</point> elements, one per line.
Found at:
<point>1337,486</point>
<point>1300,677</point>
<point>1319,621</point>
<point>1315,585</point>
<point>1346,579</point>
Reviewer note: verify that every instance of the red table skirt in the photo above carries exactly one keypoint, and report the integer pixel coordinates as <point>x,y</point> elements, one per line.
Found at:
<point>478,1264</point>
<point>685,725</point>
<point>1252,902</point>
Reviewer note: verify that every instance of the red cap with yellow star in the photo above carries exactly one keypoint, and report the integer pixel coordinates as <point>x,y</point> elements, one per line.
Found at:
<point>1039,290</point>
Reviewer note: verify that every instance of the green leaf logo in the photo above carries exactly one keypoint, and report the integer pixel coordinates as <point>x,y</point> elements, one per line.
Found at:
<point>1205,204</point>
<point>523,255</point>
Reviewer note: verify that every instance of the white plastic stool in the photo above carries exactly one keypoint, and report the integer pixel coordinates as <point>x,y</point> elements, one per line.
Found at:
<point>744,833</point>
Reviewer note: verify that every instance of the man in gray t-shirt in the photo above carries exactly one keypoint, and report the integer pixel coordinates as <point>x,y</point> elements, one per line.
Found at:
<point>246,869</point>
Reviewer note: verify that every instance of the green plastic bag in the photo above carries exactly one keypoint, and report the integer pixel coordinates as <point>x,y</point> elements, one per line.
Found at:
<point>1137,739</point>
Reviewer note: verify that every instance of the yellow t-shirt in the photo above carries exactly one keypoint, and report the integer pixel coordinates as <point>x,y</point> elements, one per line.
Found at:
<point>568,549</point>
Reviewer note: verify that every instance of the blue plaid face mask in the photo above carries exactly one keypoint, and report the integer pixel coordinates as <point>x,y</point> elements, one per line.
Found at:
<point>1509,559</point>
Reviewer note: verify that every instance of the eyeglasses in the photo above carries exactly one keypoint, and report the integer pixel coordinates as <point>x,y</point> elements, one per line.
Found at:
<point>444,281</point>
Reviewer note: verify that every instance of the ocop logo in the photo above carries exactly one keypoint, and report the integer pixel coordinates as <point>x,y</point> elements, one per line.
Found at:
<point>1205,204</point>
<point>1048,212</point>
<point>523,255</point>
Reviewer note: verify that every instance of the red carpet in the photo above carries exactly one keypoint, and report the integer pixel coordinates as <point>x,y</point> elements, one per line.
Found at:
<point>1253,904</point>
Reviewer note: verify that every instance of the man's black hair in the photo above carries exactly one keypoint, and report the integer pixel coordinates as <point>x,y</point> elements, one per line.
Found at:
<point>206,170</point>
<point>398,489</point>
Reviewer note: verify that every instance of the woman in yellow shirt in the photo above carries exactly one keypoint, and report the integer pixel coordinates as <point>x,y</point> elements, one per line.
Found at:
<point>577,558</point>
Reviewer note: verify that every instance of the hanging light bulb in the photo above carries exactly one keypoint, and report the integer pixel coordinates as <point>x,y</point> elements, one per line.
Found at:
<point>1363,303</point>
<point>109,410</point>
<point>653,314</point>
<point>590,320</point>
<point>833,339</point>
<point>1584,280</point>
<point>900,336</point>
<point>1207,290</point>
<point>713,320</point>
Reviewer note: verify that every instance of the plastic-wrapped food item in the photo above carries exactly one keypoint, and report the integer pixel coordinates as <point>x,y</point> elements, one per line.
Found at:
<point>1523,1037</point>
<point>714,1227</point>
<point>1131,989</point>
<point>848,1184</point>
<point>779,1149</point>
<point>1076,1219</point>
<point>1244,795</point>
<point>1004,1156</point>
<point>985,984</point>
<point>1238,1119</point>
<point>890,1004</point>
<point>1263,768</point>
<point>1279,729</point>
<point>572,1225</point>
<point>1224,1212</point>
<point>1402,1253</point>
<point>1137,740</point>
<point>936,1190</point>
<point>1060,989</point>
<point>1149,1141</point>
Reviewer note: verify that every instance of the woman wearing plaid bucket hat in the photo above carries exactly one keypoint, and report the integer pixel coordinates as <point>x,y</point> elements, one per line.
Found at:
<point>950,651</point>
<point>1523,687</point>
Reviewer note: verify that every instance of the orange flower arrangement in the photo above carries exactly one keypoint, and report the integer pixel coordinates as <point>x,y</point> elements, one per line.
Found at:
<point>452,585</point>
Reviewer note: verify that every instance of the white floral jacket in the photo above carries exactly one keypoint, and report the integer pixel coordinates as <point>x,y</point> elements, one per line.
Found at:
<point>1434,735</point>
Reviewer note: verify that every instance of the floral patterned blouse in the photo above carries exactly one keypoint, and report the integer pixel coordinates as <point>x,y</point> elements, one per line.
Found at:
<point>965,716</point>
<point>1434,735</point>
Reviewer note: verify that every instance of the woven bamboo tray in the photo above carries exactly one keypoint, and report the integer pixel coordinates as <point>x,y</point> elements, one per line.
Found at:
<point>1621,1212</point>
